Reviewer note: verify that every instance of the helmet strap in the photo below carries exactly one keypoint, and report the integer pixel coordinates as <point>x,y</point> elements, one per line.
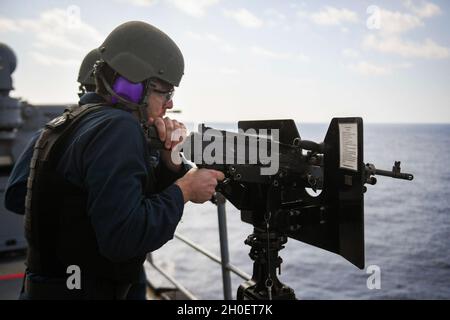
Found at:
<point>81,91</point>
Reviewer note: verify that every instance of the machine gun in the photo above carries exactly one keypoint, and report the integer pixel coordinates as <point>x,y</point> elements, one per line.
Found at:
<point>283,202</point>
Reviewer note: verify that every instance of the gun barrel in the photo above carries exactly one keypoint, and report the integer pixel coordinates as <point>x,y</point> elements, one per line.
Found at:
<point>396,175</point>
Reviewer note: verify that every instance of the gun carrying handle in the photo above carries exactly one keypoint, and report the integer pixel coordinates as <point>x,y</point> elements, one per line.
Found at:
<point>310,145</point>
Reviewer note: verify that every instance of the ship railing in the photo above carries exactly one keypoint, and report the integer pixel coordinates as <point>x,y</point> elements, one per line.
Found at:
<point>224,260</point>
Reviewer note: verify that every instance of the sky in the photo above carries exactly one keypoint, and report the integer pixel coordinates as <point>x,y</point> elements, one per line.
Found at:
<point>385,61</point>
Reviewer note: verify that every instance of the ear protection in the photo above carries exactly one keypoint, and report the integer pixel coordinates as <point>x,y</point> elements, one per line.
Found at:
<point>128,90</point>
<point>129,93</point>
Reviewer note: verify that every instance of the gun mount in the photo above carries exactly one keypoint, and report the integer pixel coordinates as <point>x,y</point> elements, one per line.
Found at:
<point>277,199</point>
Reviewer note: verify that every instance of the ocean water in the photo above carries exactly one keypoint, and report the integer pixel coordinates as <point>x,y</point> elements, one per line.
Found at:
<point>407,229</point>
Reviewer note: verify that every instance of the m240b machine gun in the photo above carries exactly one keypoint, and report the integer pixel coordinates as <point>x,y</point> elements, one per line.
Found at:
<point>311,192</point>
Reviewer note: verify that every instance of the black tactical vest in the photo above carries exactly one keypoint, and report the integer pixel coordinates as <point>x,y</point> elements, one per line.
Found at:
<point>57,227</point>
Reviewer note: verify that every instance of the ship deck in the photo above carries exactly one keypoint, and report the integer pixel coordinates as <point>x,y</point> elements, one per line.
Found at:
<point>12,267</point>
<point>11,274</point>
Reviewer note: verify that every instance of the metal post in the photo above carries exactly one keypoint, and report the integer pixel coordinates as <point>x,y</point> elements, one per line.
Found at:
<point>171,279</point>
<point>220,201</point>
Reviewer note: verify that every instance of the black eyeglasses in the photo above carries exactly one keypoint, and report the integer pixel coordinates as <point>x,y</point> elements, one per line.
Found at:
<point>168,95</point>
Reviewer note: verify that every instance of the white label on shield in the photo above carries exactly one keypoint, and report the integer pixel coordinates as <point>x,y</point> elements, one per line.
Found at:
<point>348,146</point>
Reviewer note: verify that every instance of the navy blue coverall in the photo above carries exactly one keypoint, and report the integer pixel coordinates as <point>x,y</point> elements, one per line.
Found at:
<point>108,156</point>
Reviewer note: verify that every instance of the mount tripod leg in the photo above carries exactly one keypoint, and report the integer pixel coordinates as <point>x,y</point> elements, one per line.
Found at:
<point>264,284</point>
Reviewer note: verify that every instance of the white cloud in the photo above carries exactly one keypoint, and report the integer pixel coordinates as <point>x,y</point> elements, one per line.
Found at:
<point>301,57</point>
<point>244,17</point>
<point>263,52</point>
<point>350,53</point>
<point>195,8</point>
<point>403,65</point>
<point>395,45</point>
<point>302,13</point>
<point>214,39</point>
<point>140,3</point>
<point>58,36</point>
<point>48,60</point>
<point>296,5</point>
<point>9,25</point>
<point>228,71</point>
<point>393,26</point>
<point>276,19</point>
<point>269,53</point>
<point>370,69</point>
<point>425,10</point>
<point>331,16</point>
<point>397,22</point>
<point>272,13</point>
<point>55,28</point>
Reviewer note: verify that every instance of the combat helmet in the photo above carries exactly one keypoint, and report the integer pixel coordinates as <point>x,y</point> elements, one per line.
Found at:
<point>8,64</point>
<point>86,72</point>
<point>139,51</point>
<point>132,55</point>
